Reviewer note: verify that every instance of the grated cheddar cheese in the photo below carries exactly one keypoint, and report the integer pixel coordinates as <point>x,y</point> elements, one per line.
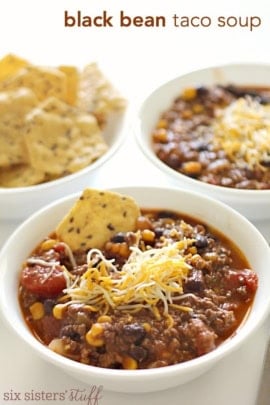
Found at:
<point>147,278</point>
<point>242,130</point>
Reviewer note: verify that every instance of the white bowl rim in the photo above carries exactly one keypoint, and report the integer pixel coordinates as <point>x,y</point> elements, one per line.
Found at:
<point>231,192</point>
<point>232,343</point>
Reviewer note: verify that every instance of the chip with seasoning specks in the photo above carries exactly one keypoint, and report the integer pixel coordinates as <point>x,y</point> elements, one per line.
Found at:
<point>96,93</point>
<point>44,81</point>
<point>96,217</point>
<point>14,105</point>
<point>72,75</point>
<point>10,65</point>
<point>54,121</point>
<point>60,139</point>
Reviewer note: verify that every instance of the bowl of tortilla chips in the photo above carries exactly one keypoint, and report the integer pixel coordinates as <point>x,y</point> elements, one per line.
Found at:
<point>57,126</point>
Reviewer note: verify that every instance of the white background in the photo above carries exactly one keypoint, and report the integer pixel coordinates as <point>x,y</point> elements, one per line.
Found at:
<point>136,60</point>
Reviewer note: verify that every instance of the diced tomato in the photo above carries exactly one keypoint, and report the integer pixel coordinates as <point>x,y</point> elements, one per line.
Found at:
<point>59,248</point>
<point>235,279</point>
<point>44,281</point>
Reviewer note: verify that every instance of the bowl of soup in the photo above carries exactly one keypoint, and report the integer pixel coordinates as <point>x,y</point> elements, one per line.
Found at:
<point>138,289</point>
<point>208,131</point>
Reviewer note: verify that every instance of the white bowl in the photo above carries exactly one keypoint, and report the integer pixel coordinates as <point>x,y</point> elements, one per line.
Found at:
<point>18,203</point>
<point>223,218</point>
<point>254,204</point>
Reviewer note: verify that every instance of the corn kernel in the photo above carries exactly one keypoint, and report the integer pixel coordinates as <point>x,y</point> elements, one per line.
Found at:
<point>156,313</point>
<point>58,310</point>
<point>108,245</point>
<point>148,236</point>
<point>37,310</point>
<point>93,341</point>
<point>169,321</point>
<point>192,250</point>
<point>146,326</point>
<point>162,123</point>
<point>129,363</point>
<point>104,318</point>
<point>192,168</point>
<point>115,248</point>
<point>90,308</point>
<point>186,114</point>
<point>160,135</point>
<point>197,108</point>
<point>48,244</point>
<point>124,250</point>
<point>96,329</point>
<point>189,93</point>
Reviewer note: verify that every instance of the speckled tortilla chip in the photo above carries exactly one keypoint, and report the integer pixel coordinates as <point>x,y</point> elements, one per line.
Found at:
<point>58,107</point>
<point>10,65</point>
<point>96,93</point>
<point>72,75</point>
<point>63,142</point>
<point>13,107</point>
<point>20,176</point>
<point>44,81</point>
<point>96,217</point>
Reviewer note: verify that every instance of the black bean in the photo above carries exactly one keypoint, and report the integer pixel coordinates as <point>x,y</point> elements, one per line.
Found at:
<point>118,238</point>
<point>158,232</point>
<point>173,160</point>
<point>201,241</point>
<point>134,333</point>
<point>72,332</point>
<point>138,353</point>
<point>266,163</point>
<point>48,306</point>
<point>202,91</point>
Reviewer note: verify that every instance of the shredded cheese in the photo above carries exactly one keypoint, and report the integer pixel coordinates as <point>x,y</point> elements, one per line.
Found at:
<point>242,130</point>
<point>41,262</point>
<point>52,265</point>
<point>68,251</point>
<point>147,278</point>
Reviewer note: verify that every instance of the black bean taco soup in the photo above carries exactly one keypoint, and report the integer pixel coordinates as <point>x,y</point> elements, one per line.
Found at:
<point>122,287</point>
<point>219,135</point>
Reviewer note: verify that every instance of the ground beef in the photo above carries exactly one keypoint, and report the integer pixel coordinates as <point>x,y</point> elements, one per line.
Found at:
<point>183,139</point>
<point>217,293</point>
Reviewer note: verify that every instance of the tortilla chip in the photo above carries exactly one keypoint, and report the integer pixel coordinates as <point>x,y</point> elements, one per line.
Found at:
<point>72,75</point>
<point>55,106</point>
<point>10,65</point>
<point>44,81</point>
<point>13,107</point>
<point>17,102</point>
<point>96,217</point>
<point>96,93</point>
<point>63,143</point>
<point>20,176</point>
